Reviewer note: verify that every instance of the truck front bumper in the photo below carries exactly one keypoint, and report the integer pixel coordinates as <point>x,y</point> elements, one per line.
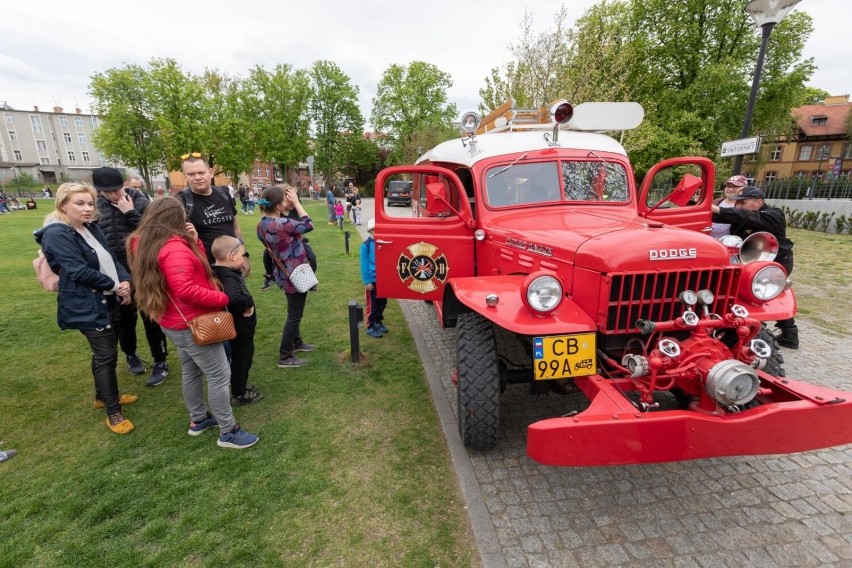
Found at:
<point>612,431</point>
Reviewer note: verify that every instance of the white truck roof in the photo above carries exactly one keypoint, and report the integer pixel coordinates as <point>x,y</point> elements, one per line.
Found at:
<point>502,143</point>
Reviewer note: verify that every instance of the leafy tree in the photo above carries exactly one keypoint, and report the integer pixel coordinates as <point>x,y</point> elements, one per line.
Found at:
<point>335,114</point>
<point>228,128</point>
<point>128,131</point>
<point>277,103</point>
<point>363,158</point>
<point>182,115</point>
<point>409,99</point>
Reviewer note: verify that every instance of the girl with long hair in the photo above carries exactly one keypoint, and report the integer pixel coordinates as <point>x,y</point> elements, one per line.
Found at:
<point>92,283</point>
<point>281,235</point>
<point>174,284</point>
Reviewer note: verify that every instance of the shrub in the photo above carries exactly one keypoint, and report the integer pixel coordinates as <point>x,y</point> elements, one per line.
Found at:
<point>825,220</point>
<point>840,224</point>
<point>809,220</point>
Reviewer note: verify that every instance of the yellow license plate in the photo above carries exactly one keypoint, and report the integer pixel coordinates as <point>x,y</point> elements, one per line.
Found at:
<point>561,356</point>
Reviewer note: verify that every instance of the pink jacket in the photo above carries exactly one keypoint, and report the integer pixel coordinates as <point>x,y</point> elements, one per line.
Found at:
<point>186,281</point>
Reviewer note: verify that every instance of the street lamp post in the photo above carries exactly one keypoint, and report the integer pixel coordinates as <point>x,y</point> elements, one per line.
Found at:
<point>765,13</point>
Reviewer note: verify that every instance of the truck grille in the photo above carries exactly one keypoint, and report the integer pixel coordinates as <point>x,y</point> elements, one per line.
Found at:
<point>654,295</point>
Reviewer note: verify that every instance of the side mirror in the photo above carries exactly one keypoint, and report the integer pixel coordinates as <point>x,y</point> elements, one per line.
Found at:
<point>685,190</point>
<point>437,200</point>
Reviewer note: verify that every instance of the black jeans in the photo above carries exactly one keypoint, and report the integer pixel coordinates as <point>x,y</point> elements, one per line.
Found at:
<point>127,333</point>
<point>242,353</point>
<point>291,335</point>
<point>104,345</point>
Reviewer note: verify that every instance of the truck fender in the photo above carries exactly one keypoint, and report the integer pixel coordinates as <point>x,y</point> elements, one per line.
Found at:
<point>510,311</point>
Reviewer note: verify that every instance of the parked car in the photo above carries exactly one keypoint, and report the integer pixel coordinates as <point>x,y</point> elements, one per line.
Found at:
<point>399,192</point>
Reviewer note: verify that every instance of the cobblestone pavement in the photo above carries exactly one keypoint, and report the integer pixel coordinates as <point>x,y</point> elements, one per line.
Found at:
<point>788,510</point>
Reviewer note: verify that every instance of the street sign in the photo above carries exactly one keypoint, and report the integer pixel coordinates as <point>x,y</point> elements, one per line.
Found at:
<point>740,147</point>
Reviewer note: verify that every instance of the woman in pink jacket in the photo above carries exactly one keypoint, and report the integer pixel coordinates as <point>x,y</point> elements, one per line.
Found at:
<point>175,284</point>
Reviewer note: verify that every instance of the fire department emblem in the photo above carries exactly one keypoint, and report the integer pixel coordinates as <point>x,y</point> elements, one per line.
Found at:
<point>422,267</point>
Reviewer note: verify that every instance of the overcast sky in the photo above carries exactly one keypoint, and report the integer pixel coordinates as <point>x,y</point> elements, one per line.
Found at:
<point>50,49</point>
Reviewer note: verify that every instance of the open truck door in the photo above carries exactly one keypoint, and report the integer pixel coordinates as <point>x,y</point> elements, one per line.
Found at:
<point>419,248</point>
<point>679,192</point>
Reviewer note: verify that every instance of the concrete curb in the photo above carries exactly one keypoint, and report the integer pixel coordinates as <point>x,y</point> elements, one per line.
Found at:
<point>481,524</point>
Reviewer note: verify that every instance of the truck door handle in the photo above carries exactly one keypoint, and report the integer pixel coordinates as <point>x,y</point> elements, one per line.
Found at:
<point>383,242</point>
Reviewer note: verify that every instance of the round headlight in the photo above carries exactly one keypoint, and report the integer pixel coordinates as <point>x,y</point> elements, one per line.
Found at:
<point>768,282</point>
<point>544,293</point>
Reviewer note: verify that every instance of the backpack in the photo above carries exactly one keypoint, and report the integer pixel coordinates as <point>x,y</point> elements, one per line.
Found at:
<point>186,196</point>
<point>48,279</point>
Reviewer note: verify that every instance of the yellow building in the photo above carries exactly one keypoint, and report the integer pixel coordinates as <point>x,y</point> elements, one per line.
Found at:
<point>818,150</point>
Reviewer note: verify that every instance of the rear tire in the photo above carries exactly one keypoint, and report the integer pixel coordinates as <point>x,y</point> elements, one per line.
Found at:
<point>478,388</point>
<point>775,364</point>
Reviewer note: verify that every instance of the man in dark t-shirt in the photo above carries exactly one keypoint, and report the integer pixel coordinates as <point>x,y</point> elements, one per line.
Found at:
<point>212,211</point>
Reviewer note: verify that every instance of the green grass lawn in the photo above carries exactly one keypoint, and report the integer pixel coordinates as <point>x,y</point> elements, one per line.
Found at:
<point>351,468</point>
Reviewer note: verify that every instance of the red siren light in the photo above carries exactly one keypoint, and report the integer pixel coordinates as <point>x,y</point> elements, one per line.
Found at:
<point>561,112</point>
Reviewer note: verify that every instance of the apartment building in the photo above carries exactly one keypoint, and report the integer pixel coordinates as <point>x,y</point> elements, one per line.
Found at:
<point>49,146</point>
<point>819,148</point>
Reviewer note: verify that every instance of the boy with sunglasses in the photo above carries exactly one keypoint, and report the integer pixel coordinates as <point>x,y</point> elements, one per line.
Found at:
<point>231,256</point>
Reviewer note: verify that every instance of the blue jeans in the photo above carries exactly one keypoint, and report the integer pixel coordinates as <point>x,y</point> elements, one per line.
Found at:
<point>209,360</point>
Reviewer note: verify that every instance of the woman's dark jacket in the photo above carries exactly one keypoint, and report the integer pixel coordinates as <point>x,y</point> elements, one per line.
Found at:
<point>81,302</point>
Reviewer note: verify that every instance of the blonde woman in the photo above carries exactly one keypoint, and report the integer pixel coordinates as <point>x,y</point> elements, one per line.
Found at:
<point>92,284</point>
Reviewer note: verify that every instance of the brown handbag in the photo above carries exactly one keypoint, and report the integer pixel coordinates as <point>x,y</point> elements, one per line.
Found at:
<point>214,327</point>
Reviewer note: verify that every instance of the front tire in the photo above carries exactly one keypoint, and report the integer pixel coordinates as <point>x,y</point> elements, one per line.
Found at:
<point>478,388</point>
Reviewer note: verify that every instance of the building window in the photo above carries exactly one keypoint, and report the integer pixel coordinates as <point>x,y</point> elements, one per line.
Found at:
<point>769,177</point>
<point>257,172</point>
<point>13,136</point>
<point>805,153</point>
<point>63,120</point>
<point>10,119</point>
<point>18,156</point>
<point>267,172</point>
<point>45,161</point>
<point>78,121</point>
<point>847,155</point>
<point>81,136</point>
<point>36,122</point>
<point>67,136</point>
<point>824,152</point>
<point>775,154</point>
<point>801,174</point>
<point>817,174</point>
<point>71,157</point>
<point>819,120</point>
<point>40,144</point>
<point>85,156</point>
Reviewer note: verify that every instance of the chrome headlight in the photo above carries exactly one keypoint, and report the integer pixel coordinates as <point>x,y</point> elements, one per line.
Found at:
<point>768,282</point>
<point>543,293</point>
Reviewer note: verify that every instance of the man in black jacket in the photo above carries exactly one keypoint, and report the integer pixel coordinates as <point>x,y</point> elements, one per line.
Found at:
<point>752,215</point>
<point>121,210</point>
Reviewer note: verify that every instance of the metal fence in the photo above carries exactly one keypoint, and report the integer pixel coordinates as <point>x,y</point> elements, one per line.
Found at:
<point>800,188</point>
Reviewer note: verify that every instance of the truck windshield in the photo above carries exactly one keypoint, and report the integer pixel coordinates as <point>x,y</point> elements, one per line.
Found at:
<point>538,182</point>
<point>595,181</point>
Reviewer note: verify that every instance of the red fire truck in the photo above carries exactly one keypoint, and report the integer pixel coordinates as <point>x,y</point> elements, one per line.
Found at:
<point>531,237</point>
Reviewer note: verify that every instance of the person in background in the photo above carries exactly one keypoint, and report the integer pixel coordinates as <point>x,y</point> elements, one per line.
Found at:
<point>329,203</point>
<point>121,210</point>
<point>375,306</point>
<point>732,188</point>
<point>338,213</point>
<point>282,236</point>
<point>752,214</point>
<point>175,285</point>
<point>31,203</point>
<point>92,283</point>
<point>228,253</point>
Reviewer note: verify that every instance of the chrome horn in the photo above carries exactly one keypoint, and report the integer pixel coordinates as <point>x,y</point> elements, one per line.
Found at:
<point>759,246</point>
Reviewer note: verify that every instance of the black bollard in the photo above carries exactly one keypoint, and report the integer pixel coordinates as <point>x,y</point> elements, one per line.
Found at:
<point>346,241</point>
<point>356,315</point>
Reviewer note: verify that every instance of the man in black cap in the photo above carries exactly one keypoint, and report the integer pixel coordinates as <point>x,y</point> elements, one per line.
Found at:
<point>752,215</point>
<point>121,210</point>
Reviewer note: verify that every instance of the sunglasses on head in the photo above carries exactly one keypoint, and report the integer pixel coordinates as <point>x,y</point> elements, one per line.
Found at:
<point>191,155</point>
<point>237,247</point>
